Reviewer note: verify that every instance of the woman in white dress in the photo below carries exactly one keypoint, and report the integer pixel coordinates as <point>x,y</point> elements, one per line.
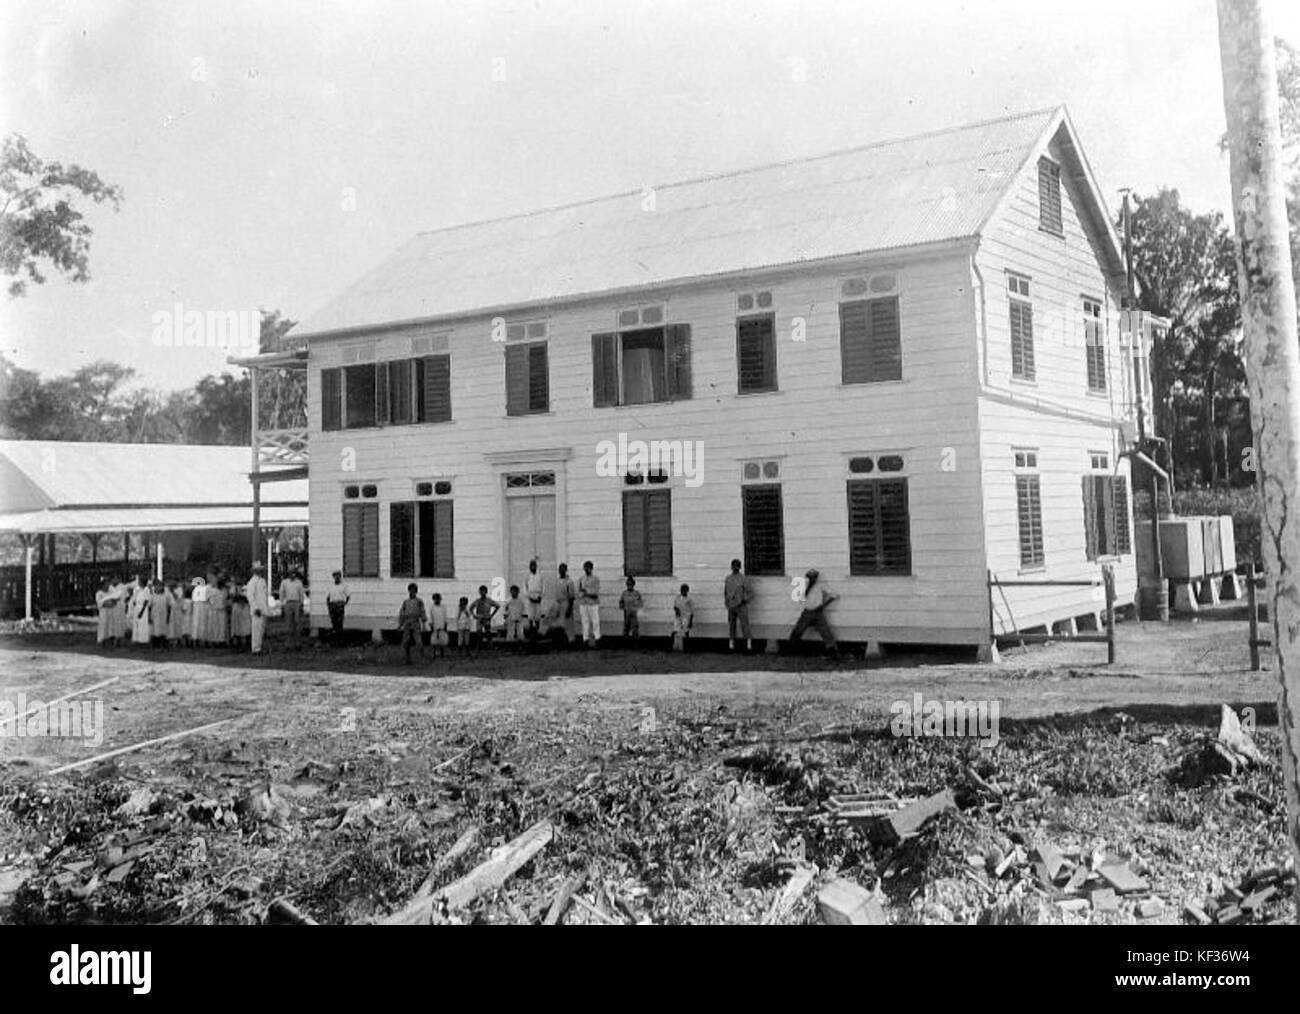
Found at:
<point>117,625</point>
<point>241,616</point>
<point>106,605</point>
<point>199,612</point>
<point>218,618</point>
<point>141,600</point>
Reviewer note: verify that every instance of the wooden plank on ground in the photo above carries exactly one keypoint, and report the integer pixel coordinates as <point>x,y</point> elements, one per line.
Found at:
<point>487,876</point>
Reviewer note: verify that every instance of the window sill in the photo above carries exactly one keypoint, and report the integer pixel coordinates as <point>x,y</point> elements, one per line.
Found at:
<point>872,383</point>
<point>529,415</point>
<point>1024,381</point>
<point>1058,233</point>
<point>1036,569</point>
<point>758,394</point>
<point>1099,393</point>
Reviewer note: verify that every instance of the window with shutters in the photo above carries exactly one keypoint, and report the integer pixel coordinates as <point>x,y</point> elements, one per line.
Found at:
<point>870,341</point>
<point>420,538</point>
<point>880,539</point>
<point>1105,516</point>
<point>361,540</point>
<point>360,401</point>
<point>1094,344</point>
<point>527,368</point>
<point>1029,519</point>
<point>641,366</point>
<point>1022,328</point>
<point>764,528</point>
<point>647,532</point>
<point>433,389</point>
<point>331,399</point>
<point>1049,197</point>
<point>756,353</point>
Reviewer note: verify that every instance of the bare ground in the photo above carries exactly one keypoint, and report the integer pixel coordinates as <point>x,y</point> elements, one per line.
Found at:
<point>343,775</point>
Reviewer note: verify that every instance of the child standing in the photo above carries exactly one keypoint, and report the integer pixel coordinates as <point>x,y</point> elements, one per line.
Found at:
<point>463,626</point>
<point>410,619</point>
<point>514,615</point>
<point>683,618</point>
<point>630,602</point>
<point>483,610</point>
<point>438,627</point>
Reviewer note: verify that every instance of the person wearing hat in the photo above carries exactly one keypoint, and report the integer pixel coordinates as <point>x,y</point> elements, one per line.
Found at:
<point>816,597</point>
<point>336,601</point>
<point>258,604</point>
<point>292,594</point>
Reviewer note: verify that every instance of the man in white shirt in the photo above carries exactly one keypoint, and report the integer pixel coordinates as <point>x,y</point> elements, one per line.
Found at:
<point>336,600</point>
<point>816,597</point>
<point>533,595</point>
<point>258,603</point>
<point>589,605</point>
<point>292,594</point>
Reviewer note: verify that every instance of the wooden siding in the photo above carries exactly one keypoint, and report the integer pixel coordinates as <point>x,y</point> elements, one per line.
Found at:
<point>1056,414</point>
<point>812,424</point>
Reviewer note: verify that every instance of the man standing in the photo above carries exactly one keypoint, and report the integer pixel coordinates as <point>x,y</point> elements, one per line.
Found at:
<point>816,597</point>
<point>533,596</point>
<point>292,594</point>
<point>336,601</point>
<point>589,605</point>
<point>258,604</point>
<point>566,594</point>
<point>737,591</point>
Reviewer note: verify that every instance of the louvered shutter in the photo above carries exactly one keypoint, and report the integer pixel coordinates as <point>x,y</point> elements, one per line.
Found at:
<point>604,370</point>
<point>1119,500</point>
<point>517,380</point>
<point>435,389</point>
<point>352,540</point>
<point>855,347</point>
<point>659,532</point>
<point>763,530</point>
<point>895,546</point>
<point>369,540</point>
<point>1022,340</point>
<point>886,354</point>
<point>634,534</point>
<point>1091,534</point>
<point>539,379</point>
<point>331,391</point>
<point>756,354</point>
<point>677,341</point>
<point>1049,196</point>
<point>401,539</point>
<point>1029,515</point>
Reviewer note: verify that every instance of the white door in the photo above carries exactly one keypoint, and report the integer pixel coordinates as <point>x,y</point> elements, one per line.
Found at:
<point>530,535</point>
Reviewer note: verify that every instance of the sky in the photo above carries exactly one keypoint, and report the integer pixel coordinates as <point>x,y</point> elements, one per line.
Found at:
<point>273,152</point>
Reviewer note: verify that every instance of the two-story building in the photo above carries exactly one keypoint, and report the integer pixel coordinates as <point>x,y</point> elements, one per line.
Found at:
<point>900,364</point>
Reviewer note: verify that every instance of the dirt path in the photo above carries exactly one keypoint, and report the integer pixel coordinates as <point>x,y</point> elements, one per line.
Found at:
<point>1184,666</point>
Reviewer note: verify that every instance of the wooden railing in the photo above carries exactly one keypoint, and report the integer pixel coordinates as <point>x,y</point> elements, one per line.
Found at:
<point>282,447</point>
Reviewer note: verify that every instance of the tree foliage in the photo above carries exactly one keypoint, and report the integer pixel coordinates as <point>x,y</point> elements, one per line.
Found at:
<point>39,220</point>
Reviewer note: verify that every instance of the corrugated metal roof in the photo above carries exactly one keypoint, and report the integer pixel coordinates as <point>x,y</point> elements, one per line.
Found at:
<point>147,519</point>
<point>893,194</point>
<point>55,474</point>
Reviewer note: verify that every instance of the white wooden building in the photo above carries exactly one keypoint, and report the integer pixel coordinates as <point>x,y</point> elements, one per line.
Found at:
<point>901,364</point>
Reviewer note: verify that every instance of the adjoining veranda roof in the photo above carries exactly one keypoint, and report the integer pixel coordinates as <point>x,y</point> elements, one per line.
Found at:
<point>49,486</point>
<point>913,192</point>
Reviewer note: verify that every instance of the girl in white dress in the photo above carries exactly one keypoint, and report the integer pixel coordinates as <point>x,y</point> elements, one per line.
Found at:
<point>106,605</point>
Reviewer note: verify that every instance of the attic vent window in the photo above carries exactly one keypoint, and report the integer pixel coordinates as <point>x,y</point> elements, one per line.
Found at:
<point>442,488</point>
<point>747,301</point>
<point>1049,197</point>
<point>752,471</point>
<point>861,466</point>
<point>424,489</point>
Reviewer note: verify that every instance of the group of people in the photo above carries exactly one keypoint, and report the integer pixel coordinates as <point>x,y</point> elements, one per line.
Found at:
<point>206,612</point>
<point>571,613</point>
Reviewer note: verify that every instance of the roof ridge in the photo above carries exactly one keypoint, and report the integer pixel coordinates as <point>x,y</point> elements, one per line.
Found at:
<point>731,173</point>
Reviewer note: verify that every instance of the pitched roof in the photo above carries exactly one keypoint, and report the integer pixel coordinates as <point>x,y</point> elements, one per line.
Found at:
<point>889,195</point>
<point>50,475</point>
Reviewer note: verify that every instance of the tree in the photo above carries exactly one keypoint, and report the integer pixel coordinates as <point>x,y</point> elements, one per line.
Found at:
<point>1184,264</point>
<point>38,221</point>
<point>1268,296</point>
